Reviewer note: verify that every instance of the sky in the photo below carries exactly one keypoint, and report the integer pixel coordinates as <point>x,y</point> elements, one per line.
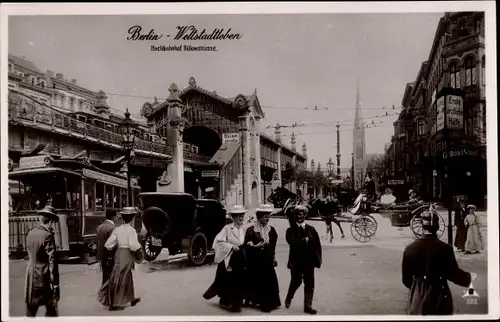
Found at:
<point>294,61</point>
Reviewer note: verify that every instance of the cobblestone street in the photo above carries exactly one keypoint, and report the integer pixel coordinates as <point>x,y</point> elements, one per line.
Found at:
<point>356,278</point>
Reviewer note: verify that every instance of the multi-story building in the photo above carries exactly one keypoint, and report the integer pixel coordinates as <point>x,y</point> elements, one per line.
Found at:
<point>51,115</point>
<point>427,153</point>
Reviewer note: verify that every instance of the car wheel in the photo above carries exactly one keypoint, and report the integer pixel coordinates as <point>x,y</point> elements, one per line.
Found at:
<point>150,250</point>
<point>198,250</point>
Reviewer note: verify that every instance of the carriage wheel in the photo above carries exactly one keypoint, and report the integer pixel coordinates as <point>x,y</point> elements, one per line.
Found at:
<point>418,229</point>
<point>150,251</point>
<point>198,250</point>
<point>363,228</point>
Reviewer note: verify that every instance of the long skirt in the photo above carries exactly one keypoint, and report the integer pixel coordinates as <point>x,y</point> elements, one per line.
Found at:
<point>461,235</point>
<point>118,290</point>
<point>474,241</point>
<point>262,285</point>
<point>229,285</point>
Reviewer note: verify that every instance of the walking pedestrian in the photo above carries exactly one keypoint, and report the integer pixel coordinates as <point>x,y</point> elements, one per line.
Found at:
<point>474,242</point>
<point>262,282</point>
<point>231,259</point>
<point>305,255</point>
<point>461,234</point>
<point>105,256</point>
<point>42,274</point>
<point>428,264</point>
<point>118,290</point>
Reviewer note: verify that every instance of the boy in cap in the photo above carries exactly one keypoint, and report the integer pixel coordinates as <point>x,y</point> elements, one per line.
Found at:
<point>42,274</point>
<point>428,265</point>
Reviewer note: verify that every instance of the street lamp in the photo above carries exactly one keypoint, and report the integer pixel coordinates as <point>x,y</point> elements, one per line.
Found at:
<point>127,127</point>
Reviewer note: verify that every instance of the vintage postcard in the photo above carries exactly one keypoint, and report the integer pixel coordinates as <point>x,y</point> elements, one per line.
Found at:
<point>234,161</point>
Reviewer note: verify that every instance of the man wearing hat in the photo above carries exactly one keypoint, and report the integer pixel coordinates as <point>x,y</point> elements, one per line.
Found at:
<point>305,255</point>
<point>428,265</point>
<point>105,256</point>
<point>42,275</point>
<point>210,193</point>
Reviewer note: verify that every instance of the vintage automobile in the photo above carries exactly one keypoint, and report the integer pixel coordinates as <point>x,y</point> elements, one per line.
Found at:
<point>180,223</point>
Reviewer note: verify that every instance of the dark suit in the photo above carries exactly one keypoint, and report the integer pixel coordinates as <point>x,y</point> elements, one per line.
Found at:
<point>428,264</point>
<point>42,275</point>
<point>305,255</point>
<point>104,255</point>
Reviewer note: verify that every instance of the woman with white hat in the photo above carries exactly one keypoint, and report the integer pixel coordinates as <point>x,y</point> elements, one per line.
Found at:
<point>230,257</point>
<point>118,290</point>
<point>474,242</point>
<point>262,283</point>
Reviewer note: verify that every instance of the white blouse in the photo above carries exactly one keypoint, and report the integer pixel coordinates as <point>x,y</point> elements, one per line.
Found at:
<point>224,241</point>
<point>125,236</point>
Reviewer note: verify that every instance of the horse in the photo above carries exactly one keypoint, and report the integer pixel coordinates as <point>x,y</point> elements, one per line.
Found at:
<point>280,195</point>
<point>326,209</point>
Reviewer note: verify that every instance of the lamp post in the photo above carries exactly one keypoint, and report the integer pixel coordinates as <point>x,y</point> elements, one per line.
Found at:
<point>330,165</point>
<point>449,116</point>
<point>127,127</point>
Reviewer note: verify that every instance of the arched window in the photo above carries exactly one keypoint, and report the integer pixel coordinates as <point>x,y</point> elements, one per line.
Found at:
<point>42,84</point>
<point>470,71</point>
<point>454,75</point>
<point>11,68</point>
<point>32,80</point>
<point>483,70</point>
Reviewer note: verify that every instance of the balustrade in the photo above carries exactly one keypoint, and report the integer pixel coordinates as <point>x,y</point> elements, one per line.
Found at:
<point>25,110</point>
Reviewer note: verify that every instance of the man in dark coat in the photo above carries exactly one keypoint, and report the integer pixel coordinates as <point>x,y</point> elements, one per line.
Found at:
<point>428,265</point>
<point>42,275</point>
<point>369,187</point>
<point>305,255</point>
<point>105,256</point>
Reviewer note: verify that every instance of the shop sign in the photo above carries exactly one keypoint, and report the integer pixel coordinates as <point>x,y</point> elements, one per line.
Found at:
<point>38,161</point>
<point>395,182</point>
<point>210,174</point>
<point>230,138</point>
<point>458,153</point>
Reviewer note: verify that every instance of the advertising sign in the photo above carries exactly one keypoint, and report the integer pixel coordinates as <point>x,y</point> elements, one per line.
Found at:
<point>440,114</point>
<point>105,178</point>
<point>394,182</point>
<point>455,112</point>
<point>33,162</point>
<point>210,174</point>
<point>230,138</point>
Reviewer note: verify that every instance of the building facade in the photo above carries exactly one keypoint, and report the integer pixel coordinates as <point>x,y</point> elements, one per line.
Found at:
<point>438,160</point>
<point>51,115</point>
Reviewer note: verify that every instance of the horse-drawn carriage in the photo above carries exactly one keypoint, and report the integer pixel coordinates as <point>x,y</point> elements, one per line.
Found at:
<point>364,227</point>
<point>180,223</point>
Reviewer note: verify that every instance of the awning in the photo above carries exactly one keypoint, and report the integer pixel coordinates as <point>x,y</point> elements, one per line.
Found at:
<point>225,153</point>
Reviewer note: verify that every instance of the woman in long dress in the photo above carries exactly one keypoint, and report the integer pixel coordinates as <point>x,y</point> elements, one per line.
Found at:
<point>231,259</point>
<point>118,291</point>
<point>474,242</point>
<point>262,283</point>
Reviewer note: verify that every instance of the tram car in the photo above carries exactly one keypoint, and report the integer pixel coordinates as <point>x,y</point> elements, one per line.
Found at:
<point>79,191</point>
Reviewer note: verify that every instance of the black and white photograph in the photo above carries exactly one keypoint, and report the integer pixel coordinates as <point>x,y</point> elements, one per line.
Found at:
<point>249,161</point>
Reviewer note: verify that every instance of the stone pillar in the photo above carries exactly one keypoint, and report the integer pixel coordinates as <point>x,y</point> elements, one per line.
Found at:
<point>174,175</point>
<point>294,183</point>
<point>258,160</point>
<point>247,174</point>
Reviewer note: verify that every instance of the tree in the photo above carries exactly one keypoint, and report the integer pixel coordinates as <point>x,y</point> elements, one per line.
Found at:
<point>378,167</point>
